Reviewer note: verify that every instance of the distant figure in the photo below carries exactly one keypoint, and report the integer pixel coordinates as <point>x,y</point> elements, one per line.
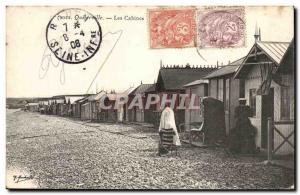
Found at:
<point>243,134</point>
<point>167,121</point>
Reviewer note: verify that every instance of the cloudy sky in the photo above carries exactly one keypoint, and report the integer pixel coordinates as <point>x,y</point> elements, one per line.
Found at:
<point>129,62</point>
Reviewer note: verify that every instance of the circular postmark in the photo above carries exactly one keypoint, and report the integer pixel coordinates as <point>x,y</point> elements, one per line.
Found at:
<point>74,35</point>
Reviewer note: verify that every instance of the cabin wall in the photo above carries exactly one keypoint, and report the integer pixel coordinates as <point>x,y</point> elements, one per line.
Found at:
<point>253,81</point>
<point>213,88</point>
<point>85,111</point>
<point>227,90</point>
<point>94,110</point>
<point>234,86</point>
<point>33,108</point>
<point>285,129</point>
<point>151,115</point>
<point>73,110</point>
<point>77,110</point>
<point>192,116</point>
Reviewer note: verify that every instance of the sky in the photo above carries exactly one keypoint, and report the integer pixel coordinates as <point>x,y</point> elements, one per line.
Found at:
<point>128,63</point>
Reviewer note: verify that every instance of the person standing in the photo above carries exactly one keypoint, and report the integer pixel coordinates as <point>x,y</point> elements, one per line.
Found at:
<point>167,121</point>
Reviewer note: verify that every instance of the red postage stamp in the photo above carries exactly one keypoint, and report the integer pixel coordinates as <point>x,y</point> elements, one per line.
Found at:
<point>221,27</point>
<point>172,28</point>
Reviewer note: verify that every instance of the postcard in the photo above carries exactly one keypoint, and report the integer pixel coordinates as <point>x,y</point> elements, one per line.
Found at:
<point>150,97</point>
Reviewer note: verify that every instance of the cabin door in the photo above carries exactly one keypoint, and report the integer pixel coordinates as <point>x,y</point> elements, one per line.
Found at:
<point>267,110</point>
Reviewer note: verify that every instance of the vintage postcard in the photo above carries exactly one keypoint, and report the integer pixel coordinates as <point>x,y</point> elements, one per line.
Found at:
<point>150,97</point>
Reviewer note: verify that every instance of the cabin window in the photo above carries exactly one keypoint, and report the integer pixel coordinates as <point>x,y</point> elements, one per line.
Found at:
<point>227,95</point>
<point>220,89</point>
<point>252,101</point>
<point>285,103</point>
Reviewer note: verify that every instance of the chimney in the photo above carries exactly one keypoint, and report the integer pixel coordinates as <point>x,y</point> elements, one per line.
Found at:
<point>257,33</point>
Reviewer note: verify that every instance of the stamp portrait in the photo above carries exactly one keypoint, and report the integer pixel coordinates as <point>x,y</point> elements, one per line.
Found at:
<point>221,27</point>
<point>73,35</point>
<point>172,28</point>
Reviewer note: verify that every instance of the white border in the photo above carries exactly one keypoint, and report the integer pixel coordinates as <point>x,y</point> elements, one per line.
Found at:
<point>4,3</point>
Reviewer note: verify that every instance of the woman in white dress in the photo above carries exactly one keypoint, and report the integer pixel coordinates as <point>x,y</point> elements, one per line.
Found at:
<point>167,121</point>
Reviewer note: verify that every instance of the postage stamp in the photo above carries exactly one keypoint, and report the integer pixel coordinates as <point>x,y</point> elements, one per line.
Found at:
<point>221,27</point>
<point>172,28</point>
<point>74,35</point>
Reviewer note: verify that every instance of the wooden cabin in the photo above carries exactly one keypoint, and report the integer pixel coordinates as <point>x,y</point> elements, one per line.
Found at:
<point>225,88</point>
<point>32,107</point>
<point>77,107</point>
<point>62,104</point>
<point>136,114</point>
<point>171,80</point>
<point>43,105</point>
<point>113,114</point>
<point>70,107</point>
<point>268,71</point>
<point>57,101</point>
<point>151,115</point>
<point>200,89</point>
<point>90,106</point>
<point>85,109</point>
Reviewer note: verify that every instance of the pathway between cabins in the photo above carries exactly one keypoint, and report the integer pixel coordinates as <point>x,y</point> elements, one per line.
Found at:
<point>56,152</point>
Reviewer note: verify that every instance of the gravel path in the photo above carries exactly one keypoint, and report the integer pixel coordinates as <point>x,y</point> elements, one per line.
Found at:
<point>62,153</point>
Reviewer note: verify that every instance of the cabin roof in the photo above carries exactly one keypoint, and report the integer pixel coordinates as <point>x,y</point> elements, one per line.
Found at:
<point>142,88</point>
<point>197,82</point>
<point>176,78</point>
<point>114,96</point>
<point>73,95</point>
<point>151,89</point>
<point>128,91</point>
<point>287,62</point>
<point>225,70</point>
<point>80,100</point>
<point>32,104</point>
<point>96,97</point>
<point>274,50</point>
<point>74,98</point>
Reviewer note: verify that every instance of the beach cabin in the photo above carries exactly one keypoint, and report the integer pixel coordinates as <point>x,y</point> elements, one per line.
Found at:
<point>199,89</point>
<point>268,71</point>
<point>136,114</point>
<point>225,88</point>
<point>171,80</point>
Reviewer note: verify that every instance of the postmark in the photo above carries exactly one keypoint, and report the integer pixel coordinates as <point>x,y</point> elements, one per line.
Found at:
<point>172,28</point>
<point>73,35</point>
<point>221,27</point>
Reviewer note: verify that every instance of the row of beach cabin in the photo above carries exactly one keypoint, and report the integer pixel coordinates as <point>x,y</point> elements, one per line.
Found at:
<point>264,77</point>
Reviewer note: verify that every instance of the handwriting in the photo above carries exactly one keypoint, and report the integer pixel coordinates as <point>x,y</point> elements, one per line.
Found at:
<point>44,67</point>
<point>47,61</point>
<point>19,178</point>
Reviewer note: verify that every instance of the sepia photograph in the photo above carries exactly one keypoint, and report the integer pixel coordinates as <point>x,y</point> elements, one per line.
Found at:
<point>192,97</point>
